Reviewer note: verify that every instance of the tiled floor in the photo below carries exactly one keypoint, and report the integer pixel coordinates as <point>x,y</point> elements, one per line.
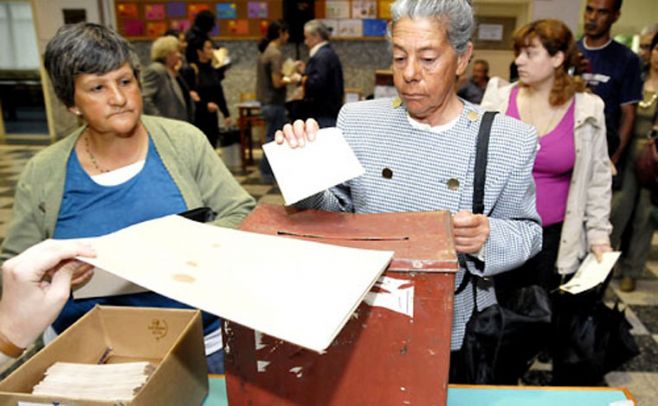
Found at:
<point>640,375</point>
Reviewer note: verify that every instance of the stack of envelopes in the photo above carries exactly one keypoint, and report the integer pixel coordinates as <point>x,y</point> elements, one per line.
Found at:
<point>116,382</point>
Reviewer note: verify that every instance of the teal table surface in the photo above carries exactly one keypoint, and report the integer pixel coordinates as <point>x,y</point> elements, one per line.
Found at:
<point>489,396</point>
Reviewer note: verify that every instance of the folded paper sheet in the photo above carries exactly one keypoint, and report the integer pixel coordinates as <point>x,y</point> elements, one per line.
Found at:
<point>591,273</point>
<point>299,291</point>
<point>321,164</point>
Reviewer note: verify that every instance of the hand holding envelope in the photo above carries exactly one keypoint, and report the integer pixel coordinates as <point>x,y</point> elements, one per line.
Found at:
<point>298,133</point>
<point>303,172</point>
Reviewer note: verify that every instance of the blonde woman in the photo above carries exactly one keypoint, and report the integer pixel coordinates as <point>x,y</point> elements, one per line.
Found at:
<point>164,91</point>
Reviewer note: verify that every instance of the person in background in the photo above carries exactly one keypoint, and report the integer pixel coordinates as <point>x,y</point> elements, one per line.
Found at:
<point>572,171</point>
<point>644,52</point>
<point>271,86</point>
<point>37,284</point>
<point>206,81</point>
<point>631,206</point>
<point>182,41</point>
<point>204,22</point>
<point>614,76</point>
<point>120,168</point>
<point>322,78</point>
<point>418,152</point>
<point>165,92</point>
<point>473,89</point>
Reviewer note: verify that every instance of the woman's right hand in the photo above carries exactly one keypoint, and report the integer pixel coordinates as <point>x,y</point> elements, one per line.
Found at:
<point>297,134</point>
<point>37,284</point>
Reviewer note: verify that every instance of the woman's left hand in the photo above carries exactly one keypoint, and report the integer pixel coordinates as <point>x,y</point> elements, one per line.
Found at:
<point>599,249</point>
<point>212,107</point>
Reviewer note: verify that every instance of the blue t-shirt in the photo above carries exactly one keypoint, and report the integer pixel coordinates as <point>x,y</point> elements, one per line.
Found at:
<point>89,210</point>
<point>615,77</point>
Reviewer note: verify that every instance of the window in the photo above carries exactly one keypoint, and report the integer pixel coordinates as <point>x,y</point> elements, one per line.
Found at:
<point>18,42</point>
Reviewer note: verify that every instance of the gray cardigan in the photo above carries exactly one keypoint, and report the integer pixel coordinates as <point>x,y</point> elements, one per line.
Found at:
<point>586,219</point>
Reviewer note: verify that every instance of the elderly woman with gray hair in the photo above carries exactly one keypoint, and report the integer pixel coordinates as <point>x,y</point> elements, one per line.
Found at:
<point>418,151</point>
<point>118,169</point>
<point>165,92</point>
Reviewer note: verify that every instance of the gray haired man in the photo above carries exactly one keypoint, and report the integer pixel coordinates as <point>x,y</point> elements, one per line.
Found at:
<point>323,76</point>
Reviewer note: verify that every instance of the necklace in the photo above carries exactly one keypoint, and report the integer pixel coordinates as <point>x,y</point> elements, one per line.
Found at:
<point>646,103</point>
<point>541,131</point>
<point>92,158</point>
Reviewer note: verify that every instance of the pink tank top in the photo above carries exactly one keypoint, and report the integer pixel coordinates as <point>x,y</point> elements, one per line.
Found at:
<point>553,165</point>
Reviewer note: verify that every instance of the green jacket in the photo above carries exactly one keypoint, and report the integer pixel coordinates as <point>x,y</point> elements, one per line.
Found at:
<point>197,171</point>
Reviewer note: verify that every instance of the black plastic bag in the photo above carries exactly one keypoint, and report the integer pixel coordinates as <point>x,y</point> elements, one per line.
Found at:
<point>592,340</point>
<point>229,136</point>
<point>502,340</point>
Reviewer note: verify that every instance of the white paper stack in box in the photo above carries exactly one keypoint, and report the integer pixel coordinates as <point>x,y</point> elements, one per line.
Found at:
<point>118,382</point>
<point>170,339</point>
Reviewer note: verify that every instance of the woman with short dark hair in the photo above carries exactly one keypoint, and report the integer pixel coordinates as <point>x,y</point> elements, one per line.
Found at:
<point>120,168</point>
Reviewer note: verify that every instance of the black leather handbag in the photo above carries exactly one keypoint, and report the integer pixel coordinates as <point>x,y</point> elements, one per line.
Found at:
<point>502,340</point>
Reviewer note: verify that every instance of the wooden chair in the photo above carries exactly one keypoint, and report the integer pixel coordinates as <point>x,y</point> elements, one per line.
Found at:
<point>248,117</point>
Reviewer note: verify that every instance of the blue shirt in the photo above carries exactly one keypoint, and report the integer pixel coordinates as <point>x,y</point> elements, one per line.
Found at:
<point>90,210</point>
<point>615,77</point>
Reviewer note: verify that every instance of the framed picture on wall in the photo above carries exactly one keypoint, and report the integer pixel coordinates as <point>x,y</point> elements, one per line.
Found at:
<point>494,32</point>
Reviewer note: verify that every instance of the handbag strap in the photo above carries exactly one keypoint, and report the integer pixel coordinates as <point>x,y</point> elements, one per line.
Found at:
<point>481,156</point>
<point>479,178</point>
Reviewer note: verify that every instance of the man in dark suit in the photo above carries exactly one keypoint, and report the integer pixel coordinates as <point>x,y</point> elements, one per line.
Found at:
<point>323,76</point>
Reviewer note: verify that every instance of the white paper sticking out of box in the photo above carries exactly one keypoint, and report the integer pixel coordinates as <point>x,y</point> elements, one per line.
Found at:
<point>299,291</point>
<point>319,165</point>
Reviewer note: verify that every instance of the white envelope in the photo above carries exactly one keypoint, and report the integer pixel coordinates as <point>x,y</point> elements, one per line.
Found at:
<point>591,273</point>
<point>319,165</point>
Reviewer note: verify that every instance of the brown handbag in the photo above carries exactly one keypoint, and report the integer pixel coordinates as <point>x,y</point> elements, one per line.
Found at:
<point>646,166</point>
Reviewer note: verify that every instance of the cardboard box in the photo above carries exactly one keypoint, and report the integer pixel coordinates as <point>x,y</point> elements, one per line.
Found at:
<point>170,338</point>
<point>394,350</point>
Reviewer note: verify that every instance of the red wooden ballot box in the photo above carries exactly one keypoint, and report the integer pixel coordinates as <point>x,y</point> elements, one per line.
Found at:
<point>394,350</point>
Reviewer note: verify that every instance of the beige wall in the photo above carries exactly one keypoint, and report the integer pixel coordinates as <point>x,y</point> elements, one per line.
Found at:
<point>48,17</point>
<point>635,15</point>
<point>499,60</point>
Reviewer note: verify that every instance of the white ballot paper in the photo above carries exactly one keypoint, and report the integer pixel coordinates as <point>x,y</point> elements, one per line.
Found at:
<point>105,284</point>
<point>299,291</point>
<point>591,273</point>
<point>321,164</point>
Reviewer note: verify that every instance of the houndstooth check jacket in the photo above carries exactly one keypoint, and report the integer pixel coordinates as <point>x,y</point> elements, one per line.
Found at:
<point>422,163</point>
